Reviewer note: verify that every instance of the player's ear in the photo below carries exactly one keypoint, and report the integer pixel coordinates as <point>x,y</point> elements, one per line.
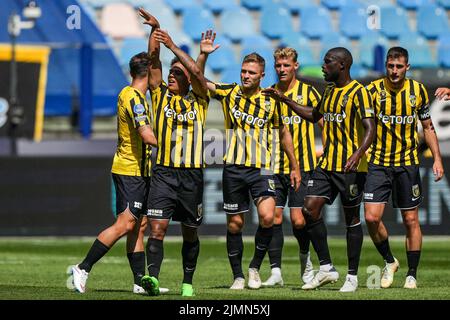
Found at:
<point>296,65</point>
<point>408,66</point>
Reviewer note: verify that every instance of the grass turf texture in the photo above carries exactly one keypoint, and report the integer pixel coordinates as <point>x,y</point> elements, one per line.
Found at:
<point>34,268</point>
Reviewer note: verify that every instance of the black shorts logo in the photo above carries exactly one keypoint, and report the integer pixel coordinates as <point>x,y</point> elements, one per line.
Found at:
<point>416,190</point>
<point>199,211</point>
<point>353,190</point>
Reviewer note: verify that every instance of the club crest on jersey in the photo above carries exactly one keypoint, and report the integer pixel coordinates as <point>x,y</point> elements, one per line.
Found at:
<point>138,109</point>
<point>189,98</point>
<point>416,190</point>
<point>300,99</point>
<point>267,103</point>
<point>271,184</point>
<point>353,190</point>
<point>412,100</point>
<point>344,100</point>
<point>382,95</point>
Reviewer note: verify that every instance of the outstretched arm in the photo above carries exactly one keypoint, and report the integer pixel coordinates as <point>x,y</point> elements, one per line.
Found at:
<point>306,112</point>
<point>432,142</point>
<point>198,81</point>
<point>206,48</point>
<point>154,69</point>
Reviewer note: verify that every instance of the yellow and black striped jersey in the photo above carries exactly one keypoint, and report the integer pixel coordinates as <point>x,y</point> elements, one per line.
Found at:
<point>132,157</point>
<point>302,131</point>
<point>248,124</point>
<point>343,110</point>
<point>396,113</point>
<point>178,123</point>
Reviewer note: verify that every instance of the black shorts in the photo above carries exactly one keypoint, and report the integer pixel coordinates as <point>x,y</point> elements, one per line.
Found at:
<point>403,181</point>
<point>328,184</point>
<point>177,194</point>
<point>131,192</point>
<point>238,181</point>
<point>284,189</point>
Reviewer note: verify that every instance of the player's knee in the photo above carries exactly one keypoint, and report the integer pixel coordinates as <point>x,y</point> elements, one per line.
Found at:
<point>410,221</point>
<point>299,223</point>
<point>266,221</point>
<point>308,214</point>
<point>372,219</point>
<point>235,226</point>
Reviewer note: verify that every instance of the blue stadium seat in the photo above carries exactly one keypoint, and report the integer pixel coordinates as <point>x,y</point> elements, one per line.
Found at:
<point>197,19</point>
<point>254,4</point>
<point>97,4</point>
<point>420,55</point>
<point>222,58</point>
<point>237,23</point>
<point>337,4</point>
<point>432,21</point>
<point>302,44</point>
<point>357,71</point>
<point>332,40</point>
<point>217,6</point>
<point>179,6</point>
<point>412,4</point>
<point>295,6</point>
<point>255,41</point>
<point>394,22</point>
<point>366,49</point>
<point>131,46</point>
<point>444,3</point>
<point>315,21</point>
<point>353,21</point>
<point>444,50</point>
<point>231,74</point>
<point>165,16</point>
<point>275,21</point>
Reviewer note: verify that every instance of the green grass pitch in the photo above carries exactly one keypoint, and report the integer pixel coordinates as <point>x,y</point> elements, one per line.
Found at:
<point>34,268</point>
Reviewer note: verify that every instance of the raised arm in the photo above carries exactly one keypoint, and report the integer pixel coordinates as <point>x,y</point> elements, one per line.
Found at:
<point>306,112</point>
<point>206,48</point>
<point>432,142</point>
<point>198,80</point>
<point>154,68</point>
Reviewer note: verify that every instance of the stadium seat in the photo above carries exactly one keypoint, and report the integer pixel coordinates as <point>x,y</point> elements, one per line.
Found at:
<point>111,16</point>
<point>412,4</point>
<point>275,21</point>
<point>98,4</point>
<point>300,43</point>
<point>366,48</point>
<point>222,58</point>
<point>179,6</point>
<point>332,40</point>
<point>394,22</point>
<point>231,74</point>
<point>196,20</point>
<point>237,23</point>
<point>130,47</point>
<point>353,21</point>
<point>254,4</point>
<point>295,6</point>
<point>444,3</point>
<point>217,6</point>
<point>165,16</point>
<point>357,71</point>
<point>337,4</point>
<point>420,55</point>
<point>432,21</point>
<point>444,50</point>
<point>315,21</point>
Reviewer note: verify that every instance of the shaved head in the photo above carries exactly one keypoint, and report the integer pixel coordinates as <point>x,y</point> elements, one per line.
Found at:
<point>343,55</point>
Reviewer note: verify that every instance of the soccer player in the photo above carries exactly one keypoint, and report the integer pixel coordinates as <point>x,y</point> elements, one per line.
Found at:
<point>394,164</point>
<point>346,110</point>
<point>286,66</point>
<point>179,116</point>
<point>442,93</point>
<point>250,118</point>
<point>130,172</point>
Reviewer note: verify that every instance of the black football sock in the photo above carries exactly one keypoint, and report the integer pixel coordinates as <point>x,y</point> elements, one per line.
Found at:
<point>137,265</point>
<point>354,245</point>
<point>303,239</point>
<point>413,262</point>
<point>276,246</point>
<point>263,237</point>
<point>97,251</point>
<point>189,253</point>
<point>318,234</point>
<point>155,255</point>
<point>235,249</point>
<point>385,250</point>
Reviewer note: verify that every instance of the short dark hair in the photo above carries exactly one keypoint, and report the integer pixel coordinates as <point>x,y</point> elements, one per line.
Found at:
<point>397,52</point>
<point>254,57</point>
<point>139,65</point>
<point>344,54</point>
<point>174,60</point>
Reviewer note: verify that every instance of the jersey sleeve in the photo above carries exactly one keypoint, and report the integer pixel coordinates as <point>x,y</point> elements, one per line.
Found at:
<point>423,108</point>
<point>363,103</point>
<point>314,97</point>
<point>137,110</point>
